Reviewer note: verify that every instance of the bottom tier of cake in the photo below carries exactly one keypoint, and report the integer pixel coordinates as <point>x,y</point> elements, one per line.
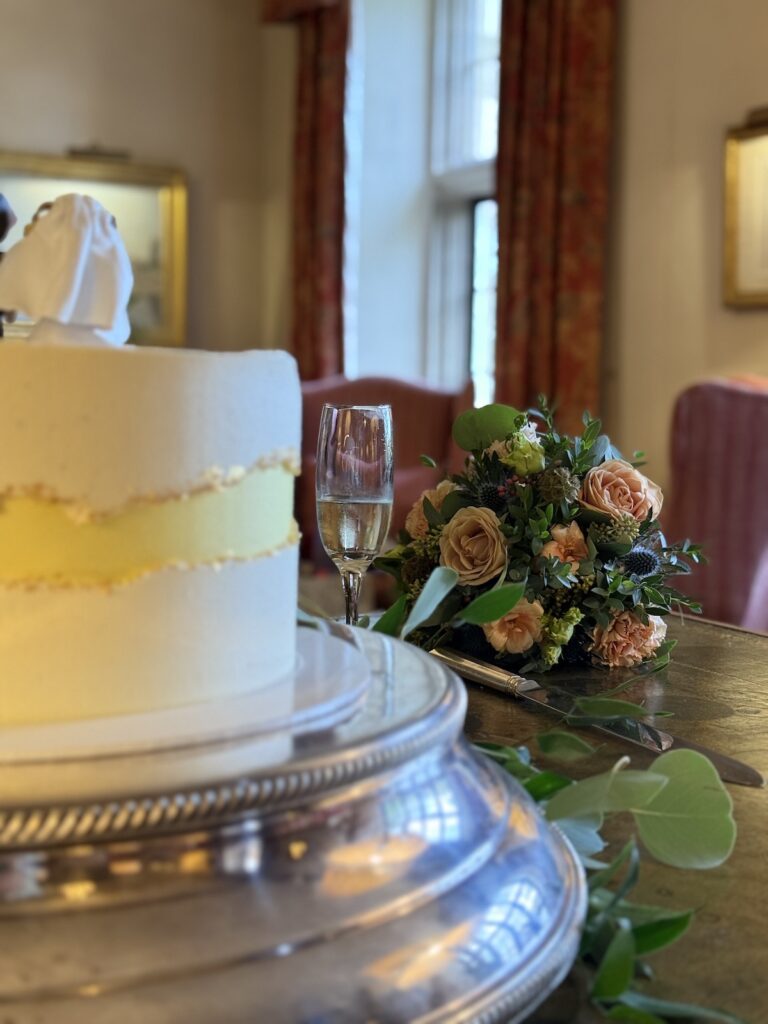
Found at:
<point>175,637</point>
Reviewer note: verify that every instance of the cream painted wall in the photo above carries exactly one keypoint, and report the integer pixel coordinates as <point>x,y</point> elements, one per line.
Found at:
<point>200,84</point>
<point>690,69</point>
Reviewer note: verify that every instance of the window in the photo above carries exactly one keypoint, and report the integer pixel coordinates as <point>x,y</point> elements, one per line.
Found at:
<point>485,266</point>
<point>422,124</point>
<point>464,252</point>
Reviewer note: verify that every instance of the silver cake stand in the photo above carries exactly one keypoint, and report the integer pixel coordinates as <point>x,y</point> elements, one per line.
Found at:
<point>353,861</point>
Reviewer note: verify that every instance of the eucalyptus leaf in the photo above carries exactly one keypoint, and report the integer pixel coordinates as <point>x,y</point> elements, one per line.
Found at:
<point>438,586</point>
<point>584,834</point>
<point>632,1015</point>
<point>494,604</point>
<point>689,823</point>
<point>608,708</point>
<point>600,450</point>
<point>610,791</point>
<point>391,621</point>
<point>617,966</point>
<point>477,429</point>
<point>563,746</point>
<point>669,1009</point>
<point>427,460</point>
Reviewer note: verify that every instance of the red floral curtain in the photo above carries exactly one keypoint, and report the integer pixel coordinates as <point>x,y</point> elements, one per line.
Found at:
<point>318,185</point>
<point>557,59</point>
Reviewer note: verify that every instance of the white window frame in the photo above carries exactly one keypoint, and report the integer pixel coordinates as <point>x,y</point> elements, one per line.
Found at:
<point>454,193</point>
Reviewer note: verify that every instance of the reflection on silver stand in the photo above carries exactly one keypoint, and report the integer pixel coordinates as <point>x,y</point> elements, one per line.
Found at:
<point>378,870</point>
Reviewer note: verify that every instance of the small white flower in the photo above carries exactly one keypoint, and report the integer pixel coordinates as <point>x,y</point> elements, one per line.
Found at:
<point>529,432</point>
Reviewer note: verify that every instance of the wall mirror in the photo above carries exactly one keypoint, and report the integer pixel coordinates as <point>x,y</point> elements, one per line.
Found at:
<point>150,206</point>
<point>745,264</point>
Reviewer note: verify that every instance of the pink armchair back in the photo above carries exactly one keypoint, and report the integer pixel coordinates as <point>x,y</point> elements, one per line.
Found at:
<point>719,450</point>
<point>422,419</point>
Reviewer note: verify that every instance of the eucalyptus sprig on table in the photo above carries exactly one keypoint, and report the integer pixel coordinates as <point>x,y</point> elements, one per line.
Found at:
<point>682,815</point>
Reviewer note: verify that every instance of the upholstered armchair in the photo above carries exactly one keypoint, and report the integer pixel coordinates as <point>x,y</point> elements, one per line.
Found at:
<point>422,419</point>
<point>719,492</point>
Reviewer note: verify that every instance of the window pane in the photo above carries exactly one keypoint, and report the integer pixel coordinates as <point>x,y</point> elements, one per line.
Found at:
<point>466,82</point>
<point>485,267</point>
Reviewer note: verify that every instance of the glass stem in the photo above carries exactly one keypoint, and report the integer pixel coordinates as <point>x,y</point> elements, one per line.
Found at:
<point>352,580</point>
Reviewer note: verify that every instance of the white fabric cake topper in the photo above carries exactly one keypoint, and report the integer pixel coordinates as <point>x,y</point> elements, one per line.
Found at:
<point>72,274</point>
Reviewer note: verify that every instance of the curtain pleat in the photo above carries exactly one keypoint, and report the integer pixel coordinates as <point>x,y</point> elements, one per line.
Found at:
<point>318,182</point>
<point>557,59</point>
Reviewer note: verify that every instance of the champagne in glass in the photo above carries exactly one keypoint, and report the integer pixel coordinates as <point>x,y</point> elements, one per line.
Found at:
<point>354,490</point>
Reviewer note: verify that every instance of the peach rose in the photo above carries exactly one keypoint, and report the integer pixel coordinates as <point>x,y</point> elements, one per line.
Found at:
<point>567,544</point>
<point>416,522</point>
<point>615,488</point>
<point>627,640</point>
<point>473,545</point>
<point>518,630</point>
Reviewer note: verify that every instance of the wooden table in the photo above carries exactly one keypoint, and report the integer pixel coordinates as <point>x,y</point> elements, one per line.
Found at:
<point>717,687</point>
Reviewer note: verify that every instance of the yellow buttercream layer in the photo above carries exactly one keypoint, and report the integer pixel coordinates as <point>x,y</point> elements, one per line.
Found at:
<point>41,541</point>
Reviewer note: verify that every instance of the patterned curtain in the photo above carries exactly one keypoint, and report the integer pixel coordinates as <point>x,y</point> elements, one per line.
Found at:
<point>318,185</point>
<point>557,60</point>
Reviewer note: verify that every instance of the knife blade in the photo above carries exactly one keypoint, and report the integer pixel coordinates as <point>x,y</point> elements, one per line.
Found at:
<point>640,733</point>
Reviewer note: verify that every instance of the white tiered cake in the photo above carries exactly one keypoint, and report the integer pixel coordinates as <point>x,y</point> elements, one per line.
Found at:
<point>148,551</point>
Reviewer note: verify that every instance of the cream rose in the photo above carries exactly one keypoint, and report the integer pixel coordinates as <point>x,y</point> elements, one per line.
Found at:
<point>567,544</point>
<point>416,522</point>
<point>518,630</point>
<point>627,641</point>
<point>473,545</point>
<point>616,489</point>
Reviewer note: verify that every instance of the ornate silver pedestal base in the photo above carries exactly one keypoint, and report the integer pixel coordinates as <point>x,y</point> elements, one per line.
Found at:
<point>377,872</point>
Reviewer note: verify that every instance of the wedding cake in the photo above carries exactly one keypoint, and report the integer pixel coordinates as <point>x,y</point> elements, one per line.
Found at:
<point>148,551</point>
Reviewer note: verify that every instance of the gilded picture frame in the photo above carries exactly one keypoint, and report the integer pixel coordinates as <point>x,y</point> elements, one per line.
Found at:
<point>745,258</point>
<point>150,205</point>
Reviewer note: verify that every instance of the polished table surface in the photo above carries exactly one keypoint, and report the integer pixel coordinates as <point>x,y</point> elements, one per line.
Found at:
<point>717,689</point>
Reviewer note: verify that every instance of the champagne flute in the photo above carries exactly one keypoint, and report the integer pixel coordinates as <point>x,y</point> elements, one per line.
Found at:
<point>353,487</point>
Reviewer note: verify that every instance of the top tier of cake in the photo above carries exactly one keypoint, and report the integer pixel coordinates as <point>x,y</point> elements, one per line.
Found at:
<point>101,427</point>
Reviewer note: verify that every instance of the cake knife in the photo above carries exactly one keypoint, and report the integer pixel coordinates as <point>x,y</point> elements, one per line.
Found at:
<point>629,730</point>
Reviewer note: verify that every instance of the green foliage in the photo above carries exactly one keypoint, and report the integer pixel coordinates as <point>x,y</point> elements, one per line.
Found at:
<point>676,1011</point>
<point>493,604</point>
<point>616,790</point>
<point>691,826</point>
<point>436,589</point>
<point>563,746</point>
<point>391,622</point>
<point>693,803</point>
<point>617,966</point>
<point>606,709</point>
<point>477,429</point>
<point>452,502</point>
<point>433,517</point>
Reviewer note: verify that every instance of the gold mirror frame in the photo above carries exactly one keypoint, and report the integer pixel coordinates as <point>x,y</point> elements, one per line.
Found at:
<point>171,186</point>
<point>745,283</point>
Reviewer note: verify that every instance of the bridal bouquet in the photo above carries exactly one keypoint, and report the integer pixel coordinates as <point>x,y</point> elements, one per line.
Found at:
<point>547,549</point>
